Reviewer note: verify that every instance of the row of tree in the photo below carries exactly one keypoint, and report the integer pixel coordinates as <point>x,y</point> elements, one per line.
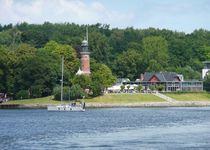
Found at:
<point>139,50</point>
<point>29,72</point>
<point>30,55</point>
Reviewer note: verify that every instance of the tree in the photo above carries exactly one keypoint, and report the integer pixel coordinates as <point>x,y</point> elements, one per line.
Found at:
<point>139,87</point>
<point>96,89</point>
<point>11,37</point>
<point>100,48</point>
<point>154,66</point>
<point>129,65</point>
<point>122,87</point>
<point>37,73</point>
<point>102,75</point>
<point>82,80</point>
<point>117,41</point>
<point>128,87</point>
<point>4,69</point>
<point>160,87</point>
<point>152,87</point>
<point>207,83</point>
<point>69,93</point>
<point>76,92</point>
<point>70,56</point>
<point>155,48</point>
<point>180,53</point>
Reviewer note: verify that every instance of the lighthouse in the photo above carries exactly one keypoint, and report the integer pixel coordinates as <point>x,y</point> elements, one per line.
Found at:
<point>85,58</point>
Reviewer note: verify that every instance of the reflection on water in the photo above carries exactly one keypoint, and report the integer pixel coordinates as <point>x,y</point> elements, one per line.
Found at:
<point>116,128</point>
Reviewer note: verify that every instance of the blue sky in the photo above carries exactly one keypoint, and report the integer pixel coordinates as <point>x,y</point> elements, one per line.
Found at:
<point>179,15</point>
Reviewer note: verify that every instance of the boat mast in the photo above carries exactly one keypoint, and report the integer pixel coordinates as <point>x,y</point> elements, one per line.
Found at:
<point>62,69</point>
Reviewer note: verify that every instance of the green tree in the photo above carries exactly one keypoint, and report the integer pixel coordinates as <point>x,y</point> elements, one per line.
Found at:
<point>76,92</point>
<point>160,87</point>
<point>129,65</point>
<point>99,47</point>
<point>139,87</point>
<point>155,48</point>
<point>38,72</point>
<point>180,53</point>
<point>152,87</point>
<point>96,89</point>
<point>102,75</point>
<point>206,83</point>
<point>70,56</point>
<point>4,69</point>
<point>122,87</point>
<point>154,66</point>
<point>83,80</point>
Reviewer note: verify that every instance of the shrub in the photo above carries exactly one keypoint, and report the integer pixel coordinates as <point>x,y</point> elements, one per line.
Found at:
<point>122,87</point>
<point>139,88</point>
<point>76,92</point>
<point>160,87</point>
<point>73,93</point>
<point>36,91</point>
<point>96,89</point>
<point>22,94</point>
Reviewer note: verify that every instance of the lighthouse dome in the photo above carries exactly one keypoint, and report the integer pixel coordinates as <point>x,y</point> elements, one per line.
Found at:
<point>84,43</point>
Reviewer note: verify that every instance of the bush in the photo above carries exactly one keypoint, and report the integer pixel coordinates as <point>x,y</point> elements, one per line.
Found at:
<point>139,88</point>
<point>122,87</point>
<point>75,92</point>
<point>96,89</point>
<point>22,94</point>
<point>36,91</point>
<point>160,87</point>
<point>152,87</point>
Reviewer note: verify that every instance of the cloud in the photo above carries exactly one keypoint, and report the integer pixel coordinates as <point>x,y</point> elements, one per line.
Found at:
<point>77,11</point>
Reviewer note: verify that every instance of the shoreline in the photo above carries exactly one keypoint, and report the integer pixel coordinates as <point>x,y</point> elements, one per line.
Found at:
<point>116,105</point>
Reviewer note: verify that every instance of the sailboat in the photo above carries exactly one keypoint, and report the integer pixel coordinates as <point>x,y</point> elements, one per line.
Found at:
<point>66,107</point>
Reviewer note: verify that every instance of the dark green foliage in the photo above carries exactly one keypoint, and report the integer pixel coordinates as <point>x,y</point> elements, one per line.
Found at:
<point>129,64</point>
<point>96,89</point>
<point>30,55</point>
<point>4,68</point>
<point>82,80</point>
<point>160,87</point>
<point>155,52</point>
<point>152,87</point>
<point>139,88</point>
<point>122,87</point>
<point>102,75</point>
<point>206,83</point>
<point>69,93</point>
<point>76,92</point>
<point>22,94</point>
<point>100,48</point>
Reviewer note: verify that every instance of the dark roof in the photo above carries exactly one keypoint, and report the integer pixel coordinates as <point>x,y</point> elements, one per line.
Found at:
<point>162,76</point>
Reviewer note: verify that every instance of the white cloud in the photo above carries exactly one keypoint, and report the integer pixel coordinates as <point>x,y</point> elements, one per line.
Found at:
<point>77,11</point>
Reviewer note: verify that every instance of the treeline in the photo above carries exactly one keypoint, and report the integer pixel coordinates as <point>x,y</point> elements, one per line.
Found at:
<point>30,53</point>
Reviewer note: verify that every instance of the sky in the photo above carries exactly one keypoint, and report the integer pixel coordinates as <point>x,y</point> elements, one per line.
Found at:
<point>176,15</point>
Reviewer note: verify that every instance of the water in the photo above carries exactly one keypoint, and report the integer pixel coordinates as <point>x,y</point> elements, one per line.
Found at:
<point>116,128</point>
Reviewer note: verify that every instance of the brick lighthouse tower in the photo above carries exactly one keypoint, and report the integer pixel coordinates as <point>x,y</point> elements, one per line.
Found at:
<point>85,57</point>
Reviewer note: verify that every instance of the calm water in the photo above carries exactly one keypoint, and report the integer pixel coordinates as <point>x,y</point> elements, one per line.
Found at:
<point>117,128</point>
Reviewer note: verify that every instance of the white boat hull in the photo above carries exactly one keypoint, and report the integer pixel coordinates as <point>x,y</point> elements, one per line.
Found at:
<point>65,108</point>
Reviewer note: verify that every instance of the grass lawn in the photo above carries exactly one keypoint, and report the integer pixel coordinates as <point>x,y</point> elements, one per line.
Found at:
<point>43,100</point>
<point>124,98</point>
<point>110,98</point>
<point>190,96</point>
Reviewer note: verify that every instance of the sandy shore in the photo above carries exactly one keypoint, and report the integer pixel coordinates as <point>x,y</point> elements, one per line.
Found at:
<point>117,105</point>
